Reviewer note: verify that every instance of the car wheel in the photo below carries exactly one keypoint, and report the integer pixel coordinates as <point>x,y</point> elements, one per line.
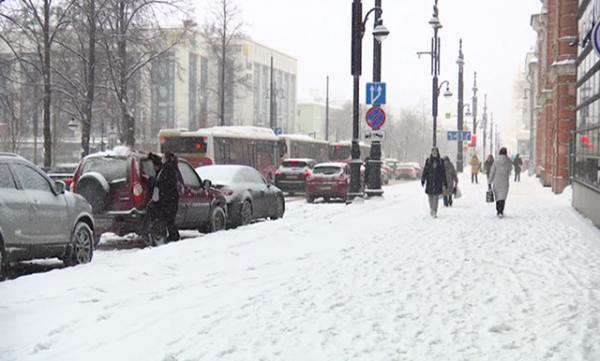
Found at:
<point>310,199</point>
<point>245,213</point>
<point>280,210</point>
<point>81,248</point>
<point>93,188</point>
<point>217,222</point>
<point>157,234</point>
<point>327,199</point>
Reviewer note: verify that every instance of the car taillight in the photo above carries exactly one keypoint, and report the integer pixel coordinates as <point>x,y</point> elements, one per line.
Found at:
<point>227,192</point>
<point>138,191</point>
<point>278,173</point>
<point>307,174</point>
<point>69,181</point>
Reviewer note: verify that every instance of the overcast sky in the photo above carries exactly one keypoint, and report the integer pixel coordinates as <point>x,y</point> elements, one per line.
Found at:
<point>496,37</point>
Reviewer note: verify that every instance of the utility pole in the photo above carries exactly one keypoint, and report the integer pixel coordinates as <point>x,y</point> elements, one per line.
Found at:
<point>461,63</point>
<point>484,124</point>
<point>327,111</point>
<point>474,106</point>
<point>492,135</point>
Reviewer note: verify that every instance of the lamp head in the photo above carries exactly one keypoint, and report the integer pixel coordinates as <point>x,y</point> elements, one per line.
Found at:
<point>435,23</point>
<point>380,32</point>
<point>447,93</point>
<point>73,124</point>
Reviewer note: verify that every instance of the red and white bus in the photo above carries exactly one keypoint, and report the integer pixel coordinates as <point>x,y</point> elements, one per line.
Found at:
<point>340,151</point>
<point>304,146</point>
<point>245,145</point>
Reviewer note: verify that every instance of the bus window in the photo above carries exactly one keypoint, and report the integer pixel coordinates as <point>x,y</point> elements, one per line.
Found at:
<point>185,145</point>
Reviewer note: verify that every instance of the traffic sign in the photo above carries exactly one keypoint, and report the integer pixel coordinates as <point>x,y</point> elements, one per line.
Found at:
<point>376,93</point>
<point>596,38</point>
<point>458,136</point>
<point>375,117</point>
<point>375,135</point>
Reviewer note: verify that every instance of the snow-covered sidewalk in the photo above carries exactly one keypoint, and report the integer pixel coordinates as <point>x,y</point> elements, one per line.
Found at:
<point>378,280</point>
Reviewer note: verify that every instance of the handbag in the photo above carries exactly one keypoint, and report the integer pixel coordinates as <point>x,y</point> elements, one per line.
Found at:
<point>489,196</point>
<point>457,193</point>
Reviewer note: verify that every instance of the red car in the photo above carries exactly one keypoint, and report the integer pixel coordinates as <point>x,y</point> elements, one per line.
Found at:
<point>117,186</point>
<point>328,180</point>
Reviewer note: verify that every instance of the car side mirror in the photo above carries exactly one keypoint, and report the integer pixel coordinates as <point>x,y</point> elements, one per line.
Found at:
<point>60,187</point>
<point>206,184</point>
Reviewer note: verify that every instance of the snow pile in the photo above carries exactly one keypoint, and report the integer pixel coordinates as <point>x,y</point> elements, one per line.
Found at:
<point>567,195</point>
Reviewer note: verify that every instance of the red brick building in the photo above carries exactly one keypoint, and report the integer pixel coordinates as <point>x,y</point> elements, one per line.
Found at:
<point>556,27</point>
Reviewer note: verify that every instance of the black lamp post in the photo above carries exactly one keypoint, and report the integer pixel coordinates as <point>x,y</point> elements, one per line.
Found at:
<point>358,31</point>
<point>374,164</point>
<point>461,63</point>
<point>435,68</point>
<point>474,107</point>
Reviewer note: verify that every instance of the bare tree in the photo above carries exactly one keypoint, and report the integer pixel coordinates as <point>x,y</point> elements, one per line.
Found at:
<point>132,38</point>
<point>32,28</point>
<point>11,124</point>
<point>223,33</point>
<point>79,63</point>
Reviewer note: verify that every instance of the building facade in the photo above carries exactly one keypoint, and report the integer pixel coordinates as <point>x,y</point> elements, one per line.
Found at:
<point>586,145</point>
<point>556,27</point>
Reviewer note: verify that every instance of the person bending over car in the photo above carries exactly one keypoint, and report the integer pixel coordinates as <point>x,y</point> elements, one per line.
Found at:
<point>165,197</point>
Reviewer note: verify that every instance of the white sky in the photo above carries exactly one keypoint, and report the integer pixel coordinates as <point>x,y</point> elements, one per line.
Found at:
<point>496,37</point>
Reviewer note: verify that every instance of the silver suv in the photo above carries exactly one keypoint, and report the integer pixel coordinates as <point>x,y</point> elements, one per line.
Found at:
<point>38,219</point>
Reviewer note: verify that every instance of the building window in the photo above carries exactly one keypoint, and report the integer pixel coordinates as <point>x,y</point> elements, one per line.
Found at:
<point>163,92</point>
<point>193,96</point>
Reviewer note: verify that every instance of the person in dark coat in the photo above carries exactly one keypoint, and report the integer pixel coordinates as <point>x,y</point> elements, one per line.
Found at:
<point>433,179</point>
<point>451,181</point>
<point>168,181</point>
<point>518,164</point>
<point>488,165</point>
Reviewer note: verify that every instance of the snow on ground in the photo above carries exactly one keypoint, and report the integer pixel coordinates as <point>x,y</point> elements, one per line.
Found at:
<point>376,280</point>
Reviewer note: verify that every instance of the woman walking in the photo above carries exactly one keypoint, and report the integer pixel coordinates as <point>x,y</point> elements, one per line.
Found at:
<point>499,180</point>
<point>487,166</point>
<point>434,179</point>
<point>451,181</point>
<point>475,164</point>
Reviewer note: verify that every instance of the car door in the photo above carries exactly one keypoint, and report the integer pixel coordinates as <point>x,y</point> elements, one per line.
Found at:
<point>48,210</point>
<point>261,191</point>
<point>14,210</point>
<point>195,198</point>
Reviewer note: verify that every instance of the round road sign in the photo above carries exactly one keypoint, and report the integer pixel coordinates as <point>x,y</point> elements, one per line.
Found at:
<point>375,117</point>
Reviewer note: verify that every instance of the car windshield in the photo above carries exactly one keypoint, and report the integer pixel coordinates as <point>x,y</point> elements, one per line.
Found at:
<point>113,169</point>
<point>219,174</point>
<point>327,170</point>
<point>294,164</point>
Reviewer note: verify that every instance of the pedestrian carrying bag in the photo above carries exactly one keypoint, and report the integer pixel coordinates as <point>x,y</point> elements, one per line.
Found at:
<point>489,196</point>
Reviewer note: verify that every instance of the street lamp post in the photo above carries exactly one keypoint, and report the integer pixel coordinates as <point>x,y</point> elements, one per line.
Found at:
<point>461,63</point>
<point>374,164</point>
<point>484,124</point>
<point>474,107</point>
<point>358,31</point>
<point>435,67</point>
<point>273,93</point>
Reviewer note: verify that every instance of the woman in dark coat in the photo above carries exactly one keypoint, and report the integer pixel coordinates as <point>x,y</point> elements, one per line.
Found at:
<point>434,179</point>
<point>488,165</point>
<point>168,182</point>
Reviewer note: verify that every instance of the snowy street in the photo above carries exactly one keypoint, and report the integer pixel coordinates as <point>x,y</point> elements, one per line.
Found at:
<point>375,280</point>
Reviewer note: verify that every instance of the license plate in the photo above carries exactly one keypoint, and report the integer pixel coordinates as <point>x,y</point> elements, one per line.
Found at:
<point>292,177</point>
<point>325,188</point>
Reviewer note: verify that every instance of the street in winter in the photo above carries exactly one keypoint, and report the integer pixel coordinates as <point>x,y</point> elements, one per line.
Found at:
<point>380,280</point>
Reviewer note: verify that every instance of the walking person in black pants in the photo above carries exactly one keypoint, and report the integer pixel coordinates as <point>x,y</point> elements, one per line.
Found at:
<point>518,164</point>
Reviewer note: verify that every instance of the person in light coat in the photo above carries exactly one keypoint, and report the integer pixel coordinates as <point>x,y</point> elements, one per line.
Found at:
<point>451,181</point>
<point>499,180</point>
<point>475,165</point>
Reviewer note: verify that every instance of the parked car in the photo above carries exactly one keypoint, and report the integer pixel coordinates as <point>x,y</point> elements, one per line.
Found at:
<point>406,171</point>
<point>291,176</point>
<point>249,195</point>
<point>392,164</point>
<point>118,186</point>
<point>38,219</point>
<point>417,167</point>
<point>63,172</point>
<point>328,180</point>
<point>385,174</point>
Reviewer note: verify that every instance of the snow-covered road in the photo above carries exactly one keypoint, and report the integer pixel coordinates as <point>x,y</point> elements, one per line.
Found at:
<point>378,280</point>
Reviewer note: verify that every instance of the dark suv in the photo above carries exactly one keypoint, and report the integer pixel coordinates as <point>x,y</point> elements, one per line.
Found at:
<point>291,175</point>
<point>118,186</point>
